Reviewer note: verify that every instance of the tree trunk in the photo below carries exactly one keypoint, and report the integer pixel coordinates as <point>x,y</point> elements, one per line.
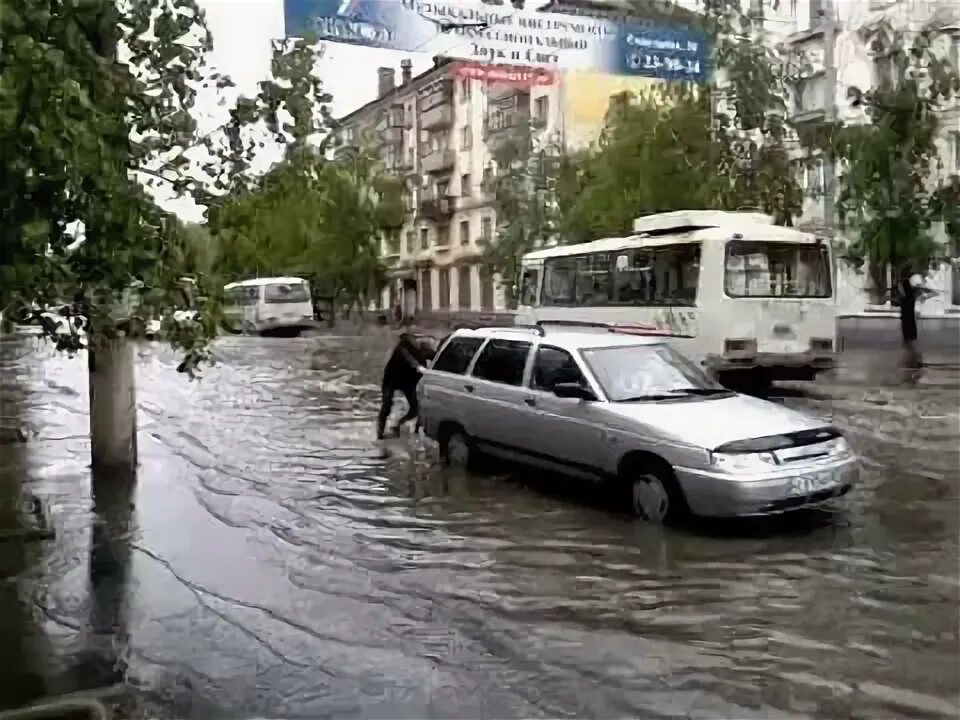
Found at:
<point>113,405</point>
<point>6,325</point>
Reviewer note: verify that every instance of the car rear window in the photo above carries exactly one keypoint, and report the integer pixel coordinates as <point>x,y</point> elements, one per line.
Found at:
<point>283,293</point>
<point>456,356</point>
<point>502,361</point>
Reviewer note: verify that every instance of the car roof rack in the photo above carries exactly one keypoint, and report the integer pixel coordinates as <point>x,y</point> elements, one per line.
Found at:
<point>523,328</point>
<point>505,328</point>
<point>625,328</point>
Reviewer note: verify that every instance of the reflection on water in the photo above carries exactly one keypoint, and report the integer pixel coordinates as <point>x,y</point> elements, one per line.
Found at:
<point>274,560</point>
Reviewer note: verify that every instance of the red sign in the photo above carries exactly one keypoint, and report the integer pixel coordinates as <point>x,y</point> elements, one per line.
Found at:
<point>517,75</point>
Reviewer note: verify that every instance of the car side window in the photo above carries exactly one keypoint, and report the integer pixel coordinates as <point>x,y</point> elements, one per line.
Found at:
<point>502,361</point>
<point>553,365</point>
<point>456,356</point>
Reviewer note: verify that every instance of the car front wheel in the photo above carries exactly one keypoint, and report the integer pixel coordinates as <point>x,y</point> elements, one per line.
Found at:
<point>654,497</point>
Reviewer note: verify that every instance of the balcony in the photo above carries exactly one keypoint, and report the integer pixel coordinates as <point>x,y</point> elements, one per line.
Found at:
<point>440,116</point>
<point>437,161</point>
<point>393,135</point>
<point>497,94</point>
<point>500,130</point>
<point>438,209</point>
<point>809,100</point>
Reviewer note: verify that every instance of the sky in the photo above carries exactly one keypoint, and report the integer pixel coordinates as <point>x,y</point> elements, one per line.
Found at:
<point>242,33</point>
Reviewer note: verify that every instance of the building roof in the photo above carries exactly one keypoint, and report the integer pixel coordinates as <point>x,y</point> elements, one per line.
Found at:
<point>417,81</point>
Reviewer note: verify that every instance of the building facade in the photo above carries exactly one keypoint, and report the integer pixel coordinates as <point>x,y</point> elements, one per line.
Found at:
<point>806,29</point>
<point>439,133</point>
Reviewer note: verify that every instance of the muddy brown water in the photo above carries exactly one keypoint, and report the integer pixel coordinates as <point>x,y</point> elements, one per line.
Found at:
<point>275,561</point>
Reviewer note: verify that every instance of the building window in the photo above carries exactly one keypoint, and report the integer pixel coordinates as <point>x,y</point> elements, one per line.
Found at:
<point>426,286</point>
<point>466,185</point>
<point>466,137</point>
<point>444,299</point>
<point>463,287</point>
<point>487,181</point>
<point>464,232</point>
<point>814,183</point>
<point>443,236</point>
<point>486,231</point>
<point>817,10</point>
<point>410,242</point>
<point>541,110</point>
<point>486,290</point>
<point>955,150</point>
<point>424,238</point>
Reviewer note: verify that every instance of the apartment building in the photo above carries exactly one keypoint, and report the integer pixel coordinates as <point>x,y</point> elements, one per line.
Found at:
<point>439,133</point>
<point>805,28</point>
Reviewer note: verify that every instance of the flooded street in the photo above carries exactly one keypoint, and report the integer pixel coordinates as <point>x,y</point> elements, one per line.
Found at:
<point>276,561</point>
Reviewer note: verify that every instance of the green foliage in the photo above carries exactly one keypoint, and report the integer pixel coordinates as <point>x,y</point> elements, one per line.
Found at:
<point>889,196</point>
<point>92,97</point>
<point>525,199</point>
<point>650,158</point>
<point>96,103</point>
<point>311,216</point>
<point>691,148</point>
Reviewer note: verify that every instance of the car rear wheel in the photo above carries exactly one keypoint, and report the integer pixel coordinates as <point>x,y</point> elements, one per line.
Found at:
<point>458,450</point>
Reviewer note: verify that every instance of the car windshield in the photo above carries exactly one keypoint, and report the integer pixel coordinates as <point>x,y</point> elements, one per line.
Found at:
<point>638,372</point>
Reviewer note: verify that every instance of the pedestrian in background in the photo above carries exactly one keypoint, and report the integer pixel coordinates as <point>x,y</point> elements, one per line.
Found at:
<point>911,290</point>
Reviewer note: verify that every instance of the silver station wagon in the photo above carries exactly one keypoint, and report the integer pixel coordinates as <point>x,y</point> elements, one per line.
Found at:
<point>604,403</point>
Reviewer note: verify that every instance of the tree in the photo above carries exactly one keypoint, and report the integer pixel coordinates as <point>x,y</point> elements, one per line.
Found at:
<point>890,197</point>
<point>525,200</point>
<point>681,146</point>
<point>750,115</point>
<point>313,216</point>
<point>650,157</point>
<point>96,105</point>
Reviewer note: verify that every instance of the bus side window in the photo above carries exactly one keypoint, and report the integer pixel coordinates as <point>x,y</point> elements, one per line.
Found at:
<point>530,287</point>
<point>559,281</point>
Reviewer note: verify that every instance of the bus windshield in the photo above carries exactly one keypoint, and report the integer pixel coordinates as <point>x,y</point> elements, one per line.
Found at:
<point>757,268</point>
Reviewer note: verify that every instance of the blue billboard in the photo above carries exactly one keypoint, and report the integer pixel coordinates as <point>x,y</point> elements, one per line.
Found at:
<point>470,30</point>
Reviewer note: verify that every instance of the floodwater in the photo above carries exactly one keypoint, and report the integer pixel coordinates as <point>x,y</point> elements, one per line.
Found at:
<point>275,561</point>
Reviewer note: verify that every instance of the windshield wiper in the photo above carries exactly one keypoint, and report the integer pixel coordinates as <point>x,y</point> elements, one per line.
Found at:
<point>702,391</point>
<point>677,393</point>
<point>638,398</point>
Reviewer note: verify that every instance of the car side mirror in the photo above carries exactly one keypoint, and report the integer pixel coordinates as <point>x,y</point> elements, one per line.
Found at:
<point>574,391</point>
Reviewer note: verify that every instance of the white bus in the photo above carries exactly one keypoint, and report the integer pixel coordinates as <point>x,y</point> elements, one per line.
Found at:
<point>741,294</point>
<point>268,305</point>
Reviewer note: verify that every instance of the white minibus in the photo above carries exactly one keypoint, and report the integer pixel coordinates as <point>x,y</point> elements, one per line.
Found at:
<point>737,292</point>
<point>268,305</point>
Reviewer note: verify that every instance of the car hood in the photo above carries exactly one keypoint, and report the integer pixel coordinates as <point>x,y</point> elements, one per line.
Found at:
<point>711,422</point>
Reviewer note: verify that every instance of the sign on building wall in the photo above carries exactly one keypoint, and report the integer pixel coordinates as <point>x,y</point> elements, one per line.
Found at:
<point>515,75</point>
<point>473,31</point>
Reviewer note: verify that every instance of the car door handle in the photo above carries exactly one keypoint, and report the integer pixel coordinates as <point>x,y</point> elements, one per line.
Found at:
<point>468,388</point>
<point>530,401</point>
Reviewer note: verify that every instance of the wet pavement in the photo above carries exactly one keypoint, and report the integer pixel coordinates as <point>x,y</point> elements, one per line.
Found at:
<point>276,561</point>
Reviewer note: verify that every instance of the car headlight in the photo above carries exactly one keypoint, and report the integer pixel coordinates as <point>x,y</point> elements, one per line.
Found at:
<point>743,462</point>
<point>840,448</point>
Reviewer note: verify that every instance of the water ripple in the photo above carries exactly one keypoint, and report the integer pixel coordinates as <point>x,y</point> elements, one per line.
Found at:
<point>287,565</point>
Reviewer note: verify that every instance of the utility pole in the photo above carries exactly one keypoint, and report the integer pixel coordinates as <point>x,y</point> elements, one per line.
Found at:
<point>830,91</point>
